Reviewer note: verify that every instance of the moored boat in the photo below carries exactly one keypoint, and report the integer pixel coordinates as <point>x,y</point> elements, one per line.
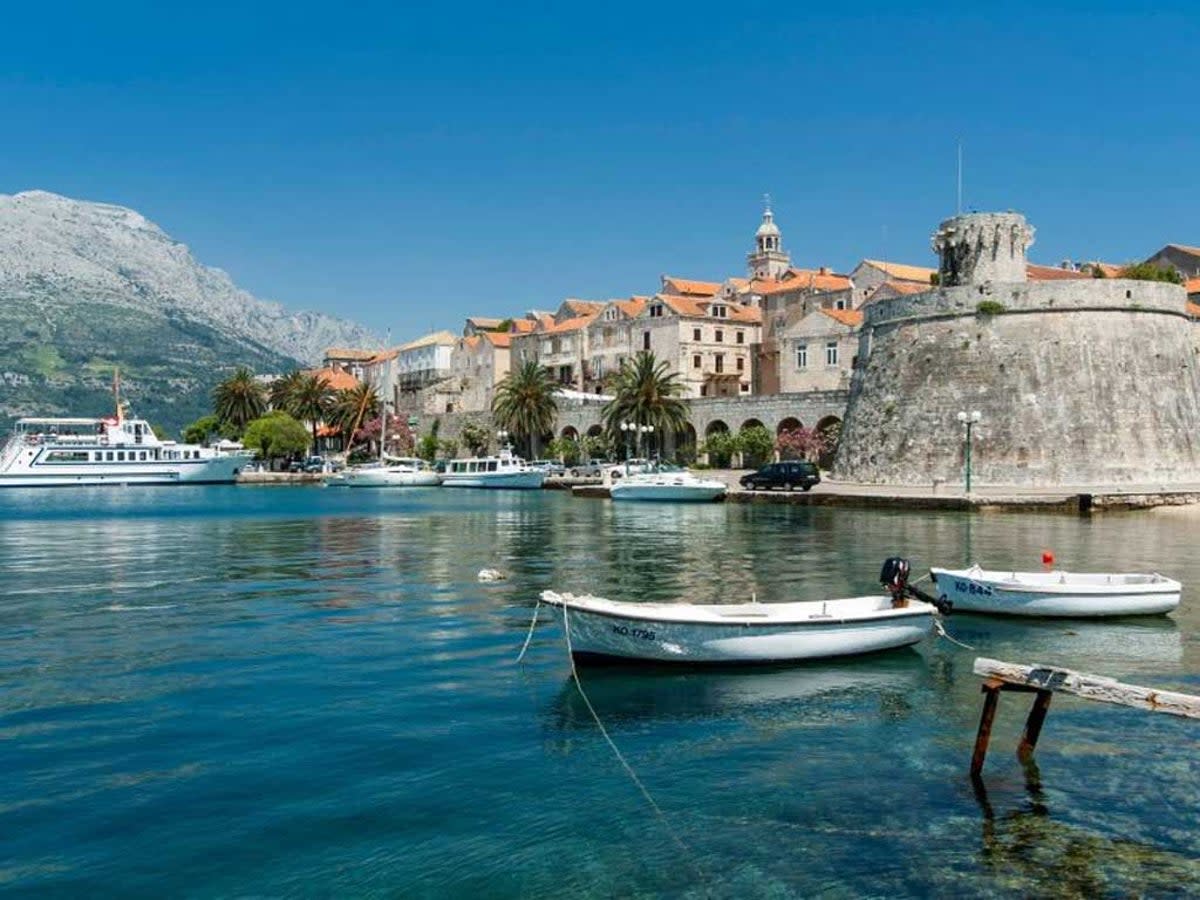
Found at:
<point>679,486</point>
<point>1056,593</point>
<point>745,633</point>
<point>392,472</point>
<point>61,452</point>
<point>503,471</point>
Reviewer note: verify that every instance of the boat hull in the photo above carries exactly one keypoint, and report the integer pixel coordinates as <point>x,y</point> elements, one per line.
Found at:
<point>218,470</point>
<point>525,480</point>
<point>377,478</point>
<point>650,639</point>
<point>969,592</point>
<point>703,492</point>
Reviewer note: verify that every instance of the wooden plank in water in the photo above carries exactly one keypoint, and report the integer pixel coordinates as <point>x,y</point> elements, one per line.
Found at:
<point>1091,687</point>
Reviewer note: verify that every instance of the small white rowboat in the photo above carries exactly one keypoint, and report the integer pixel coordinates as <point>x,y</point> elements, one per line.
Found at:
<point>1066,594</point>
<point>740,633</point>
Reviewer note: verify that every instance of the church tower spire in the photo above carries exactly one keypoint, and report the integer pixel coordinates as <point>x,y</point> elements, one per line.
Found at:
<point>769,260</point>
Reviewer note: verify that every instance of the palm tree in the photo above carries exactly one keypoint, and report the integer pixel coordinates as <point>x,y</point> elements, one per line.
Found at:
<point>311,400</point>
<point>239,399</point>
<point>645,392</point>
<point>284,388</point>
<point>353,406</point>
<point>524,403</point>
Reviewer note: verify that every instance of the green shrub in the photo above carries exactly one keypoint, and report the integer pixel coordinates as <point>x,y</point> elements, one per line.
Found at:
<point>990,308</point>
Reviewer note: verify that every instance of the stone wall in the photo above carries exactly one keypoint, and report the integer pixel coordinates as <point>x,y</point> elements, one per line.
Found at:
<point>1078,382</point>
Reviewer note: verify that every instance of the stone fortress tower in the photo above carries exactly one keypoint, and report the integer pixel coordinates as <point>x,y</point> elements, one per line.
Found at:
<point>1078,381</point>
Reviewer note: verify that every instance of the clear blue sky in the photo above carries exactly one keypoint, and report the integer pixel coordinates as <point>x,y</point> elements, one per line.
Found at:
<point>408,164</point>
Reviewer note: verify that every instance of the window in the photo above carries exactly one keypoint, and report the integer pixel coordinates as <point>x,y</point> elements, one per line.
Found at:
<point>802,356</point>
<point>142,455</point>
<point>720,311</point>
<point>741,364</point>
<point>719,336</point>
<point>656,311</point>
<point>66,456</point>
<point>611,314</point>
<point>839,304</point>
<point>741,337</point>
<point>831,353</point>
<point>696,361</point>
<point>645,340</point>
<point>720,362</point>
<point>745,388</point>
<point>108,456</point>
<point>696,334</point>
<point>120,456</point>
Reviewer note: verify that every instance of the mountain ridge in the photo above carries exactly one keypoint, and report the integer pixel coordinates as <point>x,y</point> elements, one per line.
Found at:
<point>86,287</point>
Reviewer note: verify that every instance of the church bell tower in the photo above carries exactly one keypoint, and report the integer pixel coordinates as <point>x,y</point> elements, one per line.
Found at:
<point>768,261</point>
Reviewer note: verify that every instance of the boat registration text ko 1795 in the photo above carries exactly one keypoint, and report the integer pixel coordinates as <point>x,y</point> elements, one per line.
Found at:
<point>970,587</point>
<point>626,631</point>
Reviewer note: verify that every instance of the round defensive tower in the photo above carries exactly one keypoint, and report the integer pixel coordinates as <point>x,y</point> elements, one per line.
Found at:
<point>1078,381</point>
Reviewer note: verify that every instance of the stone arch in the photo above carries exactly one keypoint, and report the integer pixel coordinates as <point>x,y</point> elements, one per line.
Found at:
<point>570,433</point>
<point>829,427</point>
<point>791,423</point>
<point>685,444</point>
<point>752,423</point>
<point>715,426</point>
<point>595,431</point>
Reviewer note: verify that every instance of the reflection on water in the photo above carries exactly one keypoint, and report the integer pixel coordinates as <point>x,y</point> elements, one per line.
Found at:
<point>312,687</point>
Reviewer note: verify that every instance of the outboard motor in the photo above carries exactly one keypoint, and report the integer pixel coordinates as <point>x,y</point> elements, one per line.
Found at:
<point>894,577</point>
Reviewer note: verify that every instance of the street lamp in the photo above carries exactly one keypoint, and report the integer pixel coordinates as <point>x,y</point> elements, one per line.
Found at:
<point>628,429</point>
<point>502,438</point>
<point>969,420</point>
<point>647,430</point>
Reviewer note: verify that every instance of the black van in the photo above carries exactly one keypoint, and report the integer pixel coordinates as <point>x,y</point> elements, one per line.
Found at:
<point>786,475</point>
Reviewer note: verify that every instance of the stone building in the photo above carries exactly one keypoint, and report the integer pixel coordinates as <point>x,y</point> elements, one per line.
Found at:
<point>819,350</point>
<point>871,274</point>
<point>1078,381</point>
<point>559,342</point>
<point>345,359</point>
<point>1184,260</point>
<point>478,363</point>
<point>610,341</point>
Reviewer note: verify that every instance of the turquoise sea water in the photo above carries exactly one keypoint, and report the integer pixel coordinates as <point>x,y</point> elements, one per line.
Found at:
<point>304,691</point>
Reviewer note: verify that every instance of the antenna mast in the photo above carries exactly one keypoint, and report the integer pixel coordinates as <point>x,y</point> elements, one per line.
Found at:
<point>960,177</point>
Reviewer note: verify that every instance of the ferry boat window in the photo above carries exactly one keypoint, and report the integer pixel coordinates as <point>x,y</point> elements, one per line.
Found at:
<point>491,465</point>
<point>67,456</point>
<point>120,456</point>
<point>108,456</point>
<point>142,454</point>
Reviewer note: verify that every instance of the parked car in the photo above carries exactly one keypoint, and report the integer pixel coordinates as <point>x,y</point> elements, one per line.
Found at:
<point>786,475</point>
<point>632,466</point>
<point>592,468</point>
<point>314,464</point>
<point>552,467</point>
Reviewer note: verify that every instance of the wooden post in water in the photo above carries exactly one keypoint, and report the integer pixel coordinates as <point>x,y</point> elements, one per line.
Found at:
<point>1044,681</point>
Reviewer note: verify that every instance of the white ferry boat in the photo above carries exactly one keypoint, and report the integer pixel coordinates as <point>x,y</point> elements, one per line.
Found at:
<point>59,452</point>
<point>503,471</point>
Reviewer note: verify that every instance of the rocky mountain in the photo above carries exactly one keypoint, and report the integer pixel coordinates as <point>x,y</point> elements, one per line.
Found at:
<point>86,287</point>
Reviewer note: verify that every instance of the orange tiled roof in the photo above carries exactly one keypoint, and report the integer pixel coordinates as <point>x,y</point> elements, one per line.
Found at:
<point>484,321</point>
<point>1193,309</point>
<point>583,307</point>
<point>471,342</point>
<point>808,280</point>
<point>901,271</point>
<point>337,379</point>
<point>498,338</point>
<point>698,307</point>
<point>568,325</point>
<point>851,317</point>
<point>349,353</point>
<point>1190,251</point>
<point>1192,286</point>
<point>1052,273</point>
<point>1109,269</point>
<point>904,287</point>
<point>522,326</point>
<point>691,288</point>
<point>384,356</point>
<point>327,431</point>
<point>633,306</point>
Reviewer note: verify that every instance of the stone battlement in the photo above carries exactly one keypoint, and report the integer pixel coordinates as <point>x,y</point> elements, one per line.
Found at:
<point>1093,294</point>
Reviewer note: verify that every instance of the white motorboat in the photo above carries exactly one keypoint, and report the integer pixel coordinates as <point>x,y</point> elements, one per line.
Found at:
<point>503,471</point>
<point>1055,593</point>
<point>679,486</point>
<point>60,452</point>
<point>744,633</point>
<point>393,472</point>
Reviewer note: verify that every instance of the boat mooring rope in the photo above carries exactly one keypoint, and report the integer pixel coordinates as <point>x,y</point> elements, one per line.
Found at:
<point>687,851</point>
<point>941,630</point>
<point>529,637</point>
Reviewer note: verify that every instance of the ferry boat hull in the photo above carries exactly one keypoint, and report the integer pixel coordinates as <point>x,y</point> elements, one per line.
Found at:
<point>530,480</point>
<point>218,470</point>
